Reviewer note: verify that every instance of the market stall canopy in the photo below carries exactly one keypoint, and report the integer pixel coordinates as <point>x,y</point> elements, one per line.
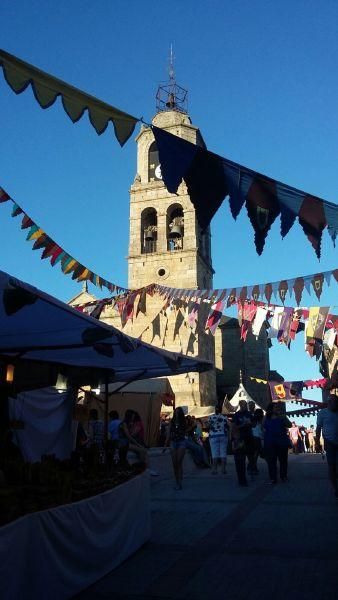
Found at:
<point>37,327</point>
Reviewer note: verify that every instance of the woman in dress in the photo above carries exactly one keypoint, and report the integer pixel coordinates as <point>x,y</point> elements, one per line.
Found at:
<point>176,433</point>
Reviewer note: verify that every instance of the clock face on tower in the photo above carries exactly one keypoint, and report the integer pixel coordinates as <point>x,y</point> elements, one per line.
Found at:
<point>154,167</point>
<point>158,172</point>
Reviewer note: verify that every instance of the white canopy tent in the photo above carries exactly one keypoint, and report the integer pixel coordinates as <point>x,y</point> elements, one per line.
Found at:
<point>37,327</point>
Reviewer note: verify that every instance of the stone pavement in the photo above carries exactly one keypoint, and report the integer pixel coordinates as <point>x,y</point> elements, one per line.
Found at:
<point>216,540</point>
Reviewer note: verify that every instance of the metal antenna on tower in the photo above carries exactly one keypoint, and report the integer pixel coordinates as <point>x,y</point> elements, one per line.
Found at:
<point>171,96</point>
<point>171,65</point>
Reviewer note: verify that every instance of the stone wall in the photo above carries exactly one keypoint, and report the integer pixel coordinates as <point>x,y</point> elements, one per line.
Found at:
<point>233,355</point>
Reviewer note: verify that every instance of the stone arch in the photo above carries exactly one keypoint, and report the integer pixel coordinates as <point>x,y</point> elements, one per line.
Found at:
<point>175,227</point>
<point>148,230</point>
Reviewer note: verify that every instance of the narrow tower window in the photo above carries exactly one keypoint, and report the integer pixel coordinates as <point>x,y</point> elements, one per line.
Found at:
<point>175,228</point>
<point>148,230</point>
<point>154,167</point>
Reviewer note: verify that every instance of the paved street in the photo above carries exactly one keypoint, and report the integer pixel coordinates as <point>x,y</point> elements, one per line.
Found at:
<point>216,540</point>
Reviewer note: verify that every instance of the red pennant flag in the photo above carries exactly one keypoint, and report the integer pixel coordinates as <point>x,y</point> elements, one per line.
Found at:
<point>312,219</point>
<point>268,291</point>
<point>26,222</point>
<point>3,195</point>
<point>55,255</point>
<point>298,289</point>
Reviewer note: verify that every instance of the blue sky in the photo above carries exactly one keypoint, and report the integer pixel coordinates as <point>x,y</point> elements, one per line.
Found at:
<point>263,88</point>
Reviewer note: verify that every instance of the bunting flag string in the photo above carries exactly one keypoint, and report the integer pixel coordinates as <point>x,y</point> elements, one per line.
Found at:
<point>209,175</point>
<point>308,402</point>
<point>304,412</point>
<point>306,383</point>
<point>50,249</point>
<point>47,88</point>
<point>319,325</point>
<point>292,390</point>
<point>259,291</point>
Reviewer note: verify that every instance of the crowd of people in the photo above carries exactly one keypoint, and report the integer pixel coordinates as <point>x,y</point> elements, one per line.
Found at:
<point>249,434</point>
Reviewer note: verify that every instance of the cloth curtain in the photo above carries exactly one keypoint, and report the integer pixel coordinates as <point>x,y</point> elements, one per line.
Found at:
<point>47,417</point>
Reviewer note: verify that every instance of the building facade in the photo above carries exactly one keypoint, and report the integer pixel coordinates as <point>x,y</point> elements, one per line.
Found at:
<point>167,246</point>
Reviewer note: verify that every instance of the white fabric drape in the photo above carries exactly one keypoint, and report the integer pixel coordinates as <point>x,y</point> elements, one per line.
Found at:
<point>47,417</point>
<point>54,554</point>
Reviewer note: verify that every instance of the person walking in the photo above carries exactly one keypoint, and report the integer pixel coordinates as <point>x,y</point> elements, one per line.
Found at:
<point>295,437</point>
<point>276,441</point>
<point>258,438</point>
<point>218,439</point>
<point>176,434</point>
<point>327,422</point>
<point>311,439</point>
<point>242,441</point>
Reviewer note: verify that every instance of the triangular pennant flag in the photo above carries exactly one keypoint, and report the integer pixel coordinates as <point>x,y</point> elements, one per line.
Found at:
<point>290,201</point>
<point>327,276</point>
<point>274,287</point>
<point>298,289</point>
<point>3,195</point>
<point>263,208</point>
<point>312,219</point>
<point>238,183</point>
<point>290,284</point>
<point>307,284</point>
<point>282,289</point>
<point>317,284</point>
<point>26,222</point>
<point>175,156</point>
<point>16,210</point>
<point>331,215</point>
<point>268,291</point>
<point>58,255</point>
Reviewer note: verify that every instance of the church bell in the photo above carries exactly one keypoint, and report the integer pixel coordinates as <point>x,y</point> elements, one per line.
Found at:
<point>149,236</point>
<point>171,101</point>
<point>176,232</point>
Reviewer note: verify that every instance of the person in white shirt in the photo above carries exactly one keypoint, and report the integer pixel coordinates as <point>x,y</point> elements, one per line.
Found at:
<point>218,439</point>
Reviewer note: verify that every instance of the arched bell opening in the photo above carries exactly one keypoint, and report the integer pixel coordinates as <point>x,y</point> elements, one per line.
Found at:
<point>148,230</point>
<point>175,227</point>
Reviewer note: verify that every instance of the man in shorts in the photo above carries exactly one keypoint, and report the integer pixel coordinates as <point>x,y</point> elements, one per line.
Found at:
<point>218,439</point>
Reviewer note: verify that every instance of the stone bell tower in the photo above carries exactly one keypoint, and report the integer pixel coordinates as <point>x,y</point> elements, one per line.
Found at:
<point>166,246</point>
